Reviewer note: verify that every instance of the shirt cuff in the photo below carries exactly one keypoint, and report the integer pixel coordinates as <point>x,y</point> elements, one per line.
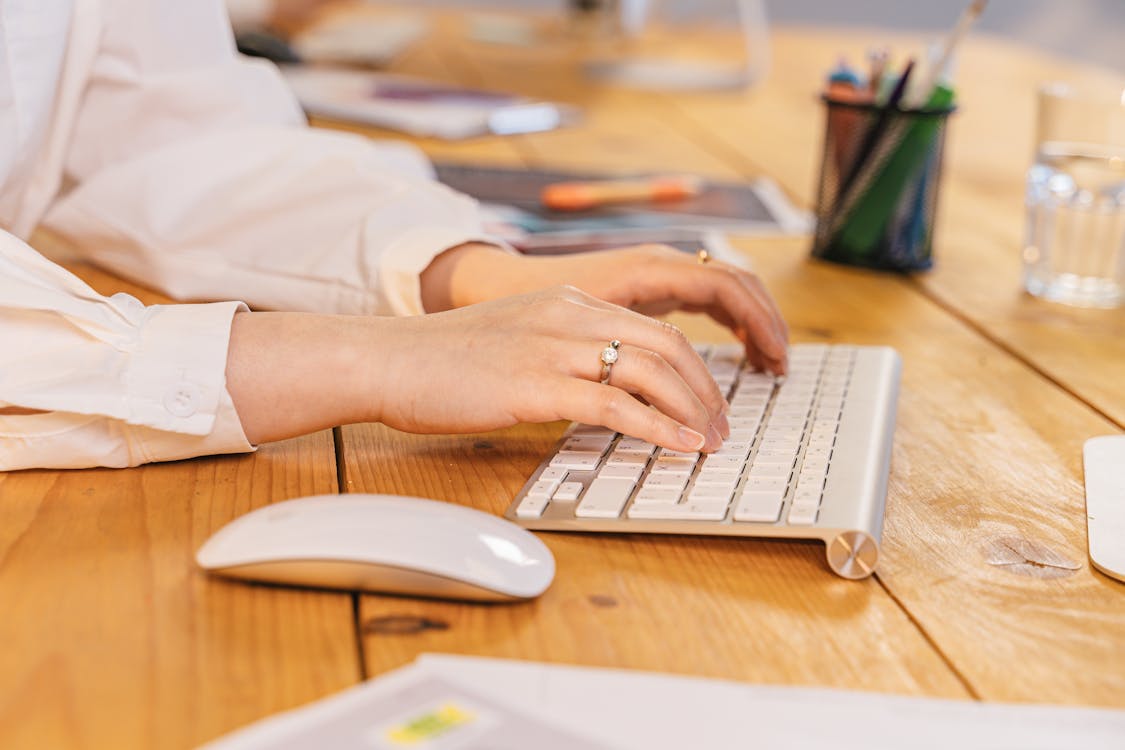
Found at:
<point>176,379</point>
<point>404,260</point>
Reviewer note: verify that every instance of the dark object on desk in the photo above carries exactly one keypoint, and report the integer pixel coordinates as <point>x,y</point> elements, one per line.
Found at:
<point>717,205</point>
<point>269,46</point>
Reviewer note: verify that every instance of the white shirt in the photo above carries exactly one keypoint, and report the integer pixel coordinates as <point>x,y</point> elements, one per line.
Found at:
<point>134,130</point>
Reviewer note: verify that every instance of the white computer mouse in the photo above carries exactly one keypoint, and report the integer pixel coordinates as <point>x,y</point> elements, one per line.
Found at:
<point>383,543</point>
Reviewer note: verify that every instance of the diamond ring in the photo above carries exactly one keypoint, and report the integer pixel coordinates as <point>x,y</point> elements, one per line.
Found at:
<point>702,256</point>
<point>609,356</point>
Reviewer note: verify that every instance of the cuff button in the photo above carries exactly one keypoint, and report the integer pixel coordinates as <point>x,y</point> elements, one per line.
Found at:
<point>182,400</point>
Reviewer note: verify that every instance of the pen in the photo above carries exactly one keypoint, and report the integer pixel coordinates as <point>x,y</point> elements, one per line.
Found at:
<point>923,90</point>
<point>877,59</point>
<point>845,122</point>
<point>577,196</point>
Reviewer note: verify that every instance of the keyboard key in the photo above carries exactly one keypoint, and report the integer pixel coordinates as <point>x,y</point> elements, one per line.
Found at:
<point>543,488</point>
<point>728,463</point>
<point>605,498</point>
<point>629,458</point>
<point>532,506</point>
<point>672,466</point>
<point>815,466</point>
<point>789,445</point>
<point>803,514</point>
<point>710,493</point>
<point>759,507</point>
<point>635,444</point>
<point>717,478</point>
<point>791,435</point>
<point>818,451</point>
<point>771,455</point>
<point>808,495</point>
<point>735,448</point>
<point>771,484</point>
<point>568,491</point>
<point>552,473</point>
<point>792,421</point>
<point>666,453</point>
<point>675,481</point>
<point>651,495</point>
<point>587,443</point>
<point>771,468</point>
<point>682,512</point>
<point>576,460</point>
<point>631,472</point>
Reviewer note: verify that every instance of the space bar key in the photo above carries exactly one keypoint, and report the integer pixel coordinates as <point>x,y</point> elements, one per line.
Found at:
<point>605,498</point>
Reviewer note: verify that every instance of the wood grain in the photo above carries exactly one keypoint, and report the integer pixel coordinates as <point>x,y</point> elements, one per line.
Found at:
<point>113,638</point>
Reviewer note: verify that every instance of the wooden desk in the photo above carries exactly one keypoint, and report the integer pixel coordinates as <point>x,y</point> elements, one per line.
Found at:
<point>112,638</point>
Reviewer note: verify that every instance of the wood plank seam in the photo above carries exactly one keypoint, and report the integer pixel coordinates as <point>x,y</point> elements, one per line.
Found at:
<point>926,636</point>
<point>983,332</point>
<point>338,450</point>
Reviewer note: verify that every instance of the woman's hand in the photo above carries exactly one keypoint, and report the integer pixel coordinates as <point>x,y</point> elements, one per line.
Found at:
<point>532,358</point>
<point>654,279</point>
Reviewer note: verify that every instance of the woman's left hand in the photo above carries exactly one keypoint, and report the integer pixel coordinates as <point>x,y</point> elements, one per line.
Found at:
<point>653,279</point>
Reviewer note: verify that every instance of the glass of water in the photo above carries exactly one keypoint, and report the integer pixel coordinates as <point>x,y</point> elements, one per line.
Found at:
<point>1075,247</point>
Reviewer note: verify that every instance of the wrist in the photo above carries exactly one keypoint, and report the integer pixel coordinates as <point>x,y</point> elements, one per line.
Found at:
<point>470,273</point>
<point>294,373</point>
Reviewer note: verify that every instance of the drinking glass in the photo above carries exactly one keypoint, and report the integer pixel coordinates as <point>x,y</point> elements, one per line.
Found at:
<point>1075,247</point>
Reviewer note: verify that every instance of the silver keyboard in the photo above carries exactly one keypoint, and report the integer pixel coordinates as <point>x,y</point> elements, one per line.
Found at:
<point>807,458</point>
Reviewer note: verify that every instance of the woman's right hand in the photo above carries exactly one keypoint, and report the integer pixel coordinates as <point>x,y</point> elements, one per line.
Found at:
<point>531,358</point>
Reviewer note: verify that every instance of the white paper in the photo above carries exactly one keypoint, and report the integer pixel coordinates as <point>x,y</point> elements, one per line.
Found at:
<point>651,711</point>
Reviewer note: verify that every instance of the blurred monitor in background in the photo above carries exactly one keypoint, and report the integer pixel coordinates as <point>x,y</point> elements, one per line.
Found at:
<point>665,62</point>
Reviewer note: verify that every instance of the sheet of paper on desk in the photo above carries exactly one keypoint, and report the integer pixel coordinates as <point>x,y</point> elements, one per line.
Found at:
<point>412,707</point>
<point>532,705</point>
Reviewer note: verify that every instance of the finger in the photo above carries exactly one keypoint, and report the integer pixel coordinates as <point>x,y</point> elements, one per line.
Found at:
<point>647,374</point>
<point>741,297</point>
<point>594,403</point>
<point>759,288</point>
<point>603,319</point>
<point>717,285</point>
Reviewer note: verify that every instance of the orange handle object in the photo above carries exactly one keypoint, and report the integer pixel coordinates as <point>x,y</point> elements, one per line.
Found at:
<point>578,196</point>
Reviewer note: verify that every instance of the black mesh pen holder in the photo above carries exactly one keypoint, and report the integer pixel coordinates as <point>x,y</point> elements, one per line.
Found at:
<point>878,188</point>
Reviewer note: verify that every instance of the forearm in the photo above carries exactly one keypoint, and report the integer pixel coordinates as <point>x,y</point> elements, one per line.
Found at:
<point>294,373</point>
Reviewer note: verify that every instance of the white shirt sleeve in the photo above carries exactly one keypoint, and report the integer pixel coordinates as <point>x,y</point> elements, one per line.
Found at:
<point>115,383</point>
<point>194,173</point>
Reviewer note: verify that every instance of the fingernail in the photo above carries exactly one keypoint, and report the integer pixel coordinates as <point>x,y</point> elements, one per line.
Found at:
<point>714,439</point>
<point>690,439</point>
<point>722,423</point>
